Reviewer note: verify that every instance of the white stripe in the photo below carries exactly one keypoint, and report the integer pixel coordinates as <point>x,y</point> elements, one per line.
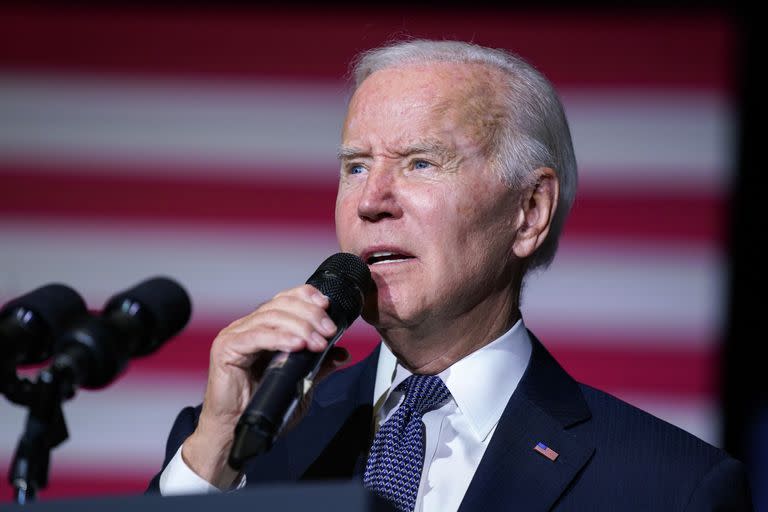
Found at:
<point>120,427</point>
<point>677,138</point>
<point>611,289</point>
<point>661,291</point>
<point>224,270</point>
<point>195,125</point>
<point>123,428</point>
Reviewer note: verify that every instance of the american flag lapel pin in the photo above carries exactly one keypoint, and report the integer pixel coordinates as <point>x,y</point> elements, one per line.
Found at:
<point>546,451</point>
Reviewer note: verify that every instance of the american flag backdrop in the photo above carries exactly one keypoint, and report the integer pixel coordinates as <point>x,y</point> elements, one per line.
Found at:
<point>200,143</point>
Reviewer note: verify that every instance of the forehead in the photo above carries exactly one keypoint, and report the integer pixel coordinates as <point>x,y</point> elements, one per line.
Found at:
<point>423,98</point>
<point>452,78</point>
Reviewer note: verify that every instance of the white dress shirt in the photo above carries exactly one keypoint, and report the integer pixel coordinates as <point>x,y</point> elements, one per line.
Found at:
<point>457,433</point>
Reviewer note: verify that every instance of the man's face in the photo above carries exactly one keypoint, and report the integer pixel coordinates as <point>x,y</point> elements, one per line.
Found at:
<point>418,199</point>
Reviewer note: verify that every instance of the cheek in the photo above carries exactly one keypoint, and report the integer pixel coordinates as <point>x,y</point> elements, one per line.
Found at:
<point>473,212</point>
<point>348,197</point>
<point>485,221</point>
<point>476,198</point>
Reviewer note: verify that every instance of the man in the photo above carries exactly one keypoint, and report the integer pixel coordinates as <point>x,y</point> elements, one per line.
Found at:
<point>457,174</point>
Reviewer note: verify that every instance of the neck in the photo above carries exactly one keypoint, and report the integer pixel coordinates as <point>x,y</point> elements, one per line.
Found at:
<point>430,349</point>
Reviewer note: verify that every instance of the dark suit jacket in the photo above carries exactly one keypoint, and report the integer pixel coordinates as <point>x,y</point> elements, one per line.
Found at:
<point>612,456</point>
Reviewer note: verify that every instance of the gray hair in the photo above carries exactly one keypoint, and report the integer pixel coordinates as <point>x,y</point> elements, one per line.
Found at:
<point>534,132</point>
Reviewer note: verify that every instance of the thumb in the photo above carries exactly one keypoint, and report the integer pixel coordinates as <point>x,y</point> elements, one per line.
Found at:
<point>336,358</point>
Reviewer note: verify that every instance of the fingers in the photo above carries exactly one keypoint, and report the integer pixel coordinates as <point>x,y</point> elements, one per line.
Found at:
<point>293,320</point>
<point>289,318</point>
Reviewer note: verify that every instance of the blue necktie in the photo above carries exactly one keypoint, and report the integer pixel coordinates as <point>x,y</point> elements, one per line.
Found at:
<point>394,465</point>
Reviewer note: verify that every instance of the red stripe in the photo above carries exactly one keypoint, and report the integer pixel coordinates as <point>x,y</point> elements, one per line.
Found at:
<point>688,216</point>
<point>671,366</point>
<point>626,213</point>
<point>74,482</point>
<point>648,47</point>
<point>674,371</point>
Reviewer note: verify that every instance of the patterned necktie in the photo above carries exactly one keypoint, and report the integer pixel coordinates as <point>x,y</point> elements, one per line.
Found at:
<point>394,465</point>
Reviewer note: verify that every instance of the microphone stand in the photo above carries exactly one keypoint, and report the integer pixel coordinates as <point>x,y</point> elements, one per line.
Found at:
<point>141,319</point>
<point>44,430</point>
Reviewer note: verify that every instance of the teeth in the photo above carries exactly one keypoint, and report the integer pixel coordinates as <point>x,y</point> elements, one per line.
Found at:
<point>381,257</point>
<point>382,262</point>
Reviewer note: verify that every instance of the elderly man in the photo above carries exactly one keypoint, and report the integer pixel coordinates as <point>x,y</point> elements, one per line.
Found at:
<point>457,173</point>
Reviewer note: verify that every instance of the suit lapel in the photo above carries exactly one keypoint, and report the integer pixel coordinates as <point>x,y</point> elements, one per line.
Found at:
<point>334,437</point>
<point>546,403</point>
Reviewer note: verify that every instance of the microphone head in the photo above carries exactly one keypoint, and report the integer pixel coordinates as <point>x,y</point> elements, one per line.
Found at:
<point>163,302</point>
<point>41,315</point>
<point>133,323</point>
<point>345,279</point>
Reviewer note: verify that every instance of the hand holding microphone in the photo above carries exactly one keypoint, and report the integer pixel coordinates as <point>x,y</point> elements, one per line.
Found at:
<point>250,387</point>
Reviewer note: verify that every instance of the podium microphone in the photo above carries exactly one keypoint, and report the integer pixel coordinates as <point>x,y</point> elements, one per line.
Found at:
<point>91,354</point>
<point>133,323</point>
<point>344,278</point>
<point>29,324</point>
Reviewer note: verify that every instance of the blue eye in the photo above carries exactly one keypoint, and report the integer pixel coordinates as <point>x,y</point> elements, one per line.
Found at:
<point>421,164</point>
<point>356,169</point>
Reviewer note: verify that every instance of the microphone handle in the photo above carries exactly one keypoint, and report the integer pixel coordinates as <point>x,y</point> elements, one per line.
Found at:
<point>286,380</point>
<point>343,278</point>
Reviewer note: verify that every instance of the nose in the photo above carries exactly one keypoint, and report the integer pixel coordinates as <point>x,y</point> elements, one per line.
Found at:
<point>379,196</point>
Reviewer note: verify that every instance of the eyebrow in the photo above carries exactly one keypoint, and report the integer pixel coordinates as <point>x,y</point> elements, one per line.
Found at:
<point>429,147</point>
<point>350,153</point>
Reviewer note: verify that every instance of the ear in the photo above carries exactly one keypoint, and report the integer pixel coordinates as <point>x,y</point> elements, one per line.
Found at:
<point>537,208</point>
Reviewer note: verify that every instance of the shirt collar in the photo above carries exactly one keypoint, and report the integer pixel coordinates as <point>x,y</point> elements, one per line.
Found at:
<point>480,383</point>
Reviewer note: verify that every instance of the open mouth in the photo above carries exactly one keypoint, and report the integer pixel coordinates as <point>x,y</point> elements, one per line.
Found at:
<point>383,257</point>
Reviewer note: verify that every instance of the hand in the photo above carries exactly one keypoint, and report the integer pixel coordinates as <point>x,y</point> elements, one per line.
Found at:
<point>293,320</point>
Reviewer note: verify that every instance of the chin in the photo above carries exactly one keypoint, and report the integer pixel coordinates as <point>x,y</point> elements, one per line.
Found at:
<point>390,306</point>
<point>388,318</point>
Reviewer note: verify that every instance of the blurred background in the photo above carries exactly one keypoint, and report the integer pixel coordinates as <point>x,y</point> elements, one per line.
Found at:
<point>199,143</point>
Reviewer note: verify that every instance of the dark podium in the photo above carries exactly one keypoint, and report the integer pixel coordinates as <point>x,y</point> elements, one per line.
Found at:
<point>346,496</point>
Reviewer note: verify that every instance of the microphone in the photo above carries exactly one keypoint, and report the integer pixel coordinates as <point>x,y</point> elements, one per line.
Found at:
<point>345,279</point>
<point>133,323</point>
<point>30,323</point>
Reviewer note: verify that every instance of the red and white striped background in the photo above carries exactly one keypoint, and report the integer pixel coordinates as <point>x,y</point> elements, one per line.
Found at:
<point>200,144</point>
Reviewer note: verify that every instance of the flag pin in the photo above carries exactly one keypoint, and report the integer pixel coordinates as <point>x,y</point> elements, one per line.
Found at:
<point>546,451</point>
